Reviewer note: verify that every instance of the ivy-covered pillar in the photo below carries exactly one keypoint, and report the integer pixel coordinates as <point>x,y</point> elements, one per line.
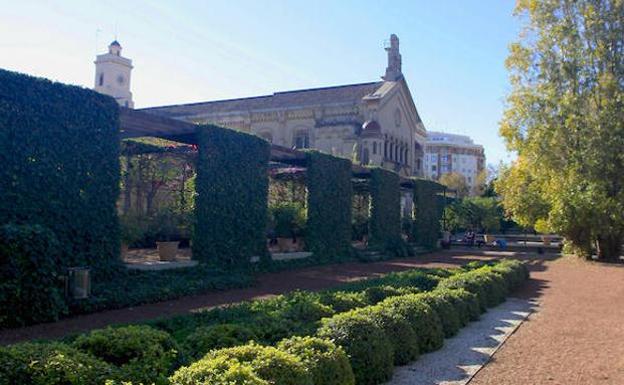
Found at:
<point>426,229</point>
<point>328,230</point>
<point>231,201</point>
<point>385,209</point>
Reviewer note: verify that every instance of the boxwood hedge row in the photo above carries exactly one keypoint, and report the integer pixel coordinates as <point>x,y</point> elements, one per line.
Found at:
<point>357,346</point>
<point>231,201</point>
<point>59,151</point>
<point>328,230</point>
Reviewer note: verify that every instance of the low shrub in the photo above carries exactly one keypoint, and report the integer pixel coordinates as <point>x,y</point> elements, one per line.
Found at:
<point>466,304</point>
<point>31,290</point>
<point>489,286</point>
<point>342,301</point>
<point>142,353</point>
<point>420,316</point>
<point>51,364</point>
<point>205,339</point>
<point>267,363</point>
<point>398,331</point>
<point>513,271</point>
<point>445,307</point>
<point>370,352</point>
<point>217,371</point>
<point>328,363</point>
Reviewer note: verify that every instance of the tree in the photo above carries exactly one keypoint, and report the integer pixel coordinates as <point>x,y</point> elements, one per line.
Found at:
<point>565,120</point>
<point>477,213</point>
<point>457,182</point>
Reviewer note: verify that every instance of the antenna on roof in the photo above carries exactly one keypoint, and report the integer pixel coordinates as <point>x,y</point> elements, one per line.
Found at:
<point>115,30</point>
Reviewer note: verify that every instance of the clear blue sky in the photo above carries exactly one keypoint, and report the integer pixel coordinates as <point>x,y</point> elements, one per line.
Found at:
<point>184,51</point>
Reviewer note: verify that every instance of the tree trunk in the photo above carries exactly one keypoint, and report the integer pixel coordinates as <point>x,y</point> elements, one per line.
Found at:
<point>609,248</point>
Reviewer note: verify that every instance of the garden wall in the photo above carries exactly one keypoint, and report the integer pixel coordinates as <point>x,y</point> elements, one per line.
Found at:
<point>59,151</point>
<point>328,231</point>
<point>231,201</point>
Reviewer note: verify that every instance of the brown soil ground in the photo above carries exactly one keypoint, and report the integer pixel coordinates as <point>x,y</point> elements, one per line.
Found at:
<point>313,278</point>
<point>576,336</point>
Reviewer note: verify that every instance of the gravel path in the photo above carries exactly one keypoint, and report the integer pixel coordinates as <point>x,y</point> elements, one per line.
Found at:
<point>463,355</point>
<point>577,336</point>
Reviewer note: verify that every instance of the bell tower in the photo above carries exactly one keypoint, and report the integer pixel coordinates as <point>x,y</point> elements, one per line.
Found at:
<point>112,75</point>
<point>393,71</point>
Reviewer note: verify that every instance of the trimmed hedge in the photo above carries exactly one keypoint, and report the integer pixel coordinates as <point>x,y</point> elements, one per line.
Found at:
<point>231,202</point>
<point>328,230</point>
<point>370,352</point>
<point>142,353</point>
<point>385,210</point>
<point>31,290</point>
<point>328,363</point>
<point>59,151</point>
<point>267,363</point>
<point>207,338</point>
<point>426,228</point>
<point>375,336</point>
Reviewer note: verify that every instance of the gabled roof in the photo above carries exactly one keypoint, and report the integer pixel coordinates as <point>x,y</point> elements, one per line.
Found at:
<point>352,93</point>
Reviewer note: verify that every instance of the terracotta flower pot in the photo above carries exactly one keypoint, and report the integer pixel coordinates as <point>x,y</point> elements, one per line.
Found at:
<point>167,251</point>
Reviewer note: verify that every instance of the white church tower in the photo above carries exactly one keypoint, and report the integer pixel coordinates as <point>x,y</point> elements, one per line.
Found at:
<point>393,71</point>
<point>112,75</point>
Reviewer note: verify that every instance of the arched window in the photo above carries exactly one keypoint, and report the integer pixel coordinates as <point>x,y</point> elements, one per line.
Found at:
<point>101,80</point>
<point>374,148</point>
<point>385,149</point>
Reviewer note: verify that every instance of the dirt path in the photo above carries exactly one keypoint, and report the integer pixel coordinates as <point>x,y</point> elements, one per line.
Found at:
<point>577,335</point>
<point>314,278</point>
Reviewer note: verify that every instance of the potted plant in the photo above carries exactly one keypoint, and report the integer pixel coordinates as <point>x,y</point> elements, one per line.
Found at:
<point>167,235</point>
<point>288,221</point>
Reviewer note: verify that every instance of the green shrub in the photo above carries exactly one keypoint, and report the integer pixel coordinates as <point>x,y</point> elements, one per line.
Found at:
<point>59,151</point>
<point>268,363</point>
<point>51,364</point>
<point>376,294</point>
<point>426,228</point>
<point>398,331</point>
<point>232,192</point>
<point>489,286</point>
<point>328,231</point>
<point>31,290</point>
<point>143,353</point>
<point>342,301</point>
<point>513,271</point>
<point>217,371</point>
<point>370,352</point>
<point>328,363</point>
<point>420,316</point>
<point>287,219</point>
<point>466,304</point>
<point>205,339</point>
<point>443,304</point>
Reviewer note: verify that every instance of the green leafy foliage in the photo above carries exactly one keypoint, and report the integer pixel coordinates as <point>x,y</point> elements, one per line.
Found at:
<point>142,353</point>
<point>423,318</point>
<point>370,352</point>
<point>426,228</point>
<point>231,201</point>
<point>59,151</point>
<point>444,305</point>
<point>476,213</point>
<point>287,219</point>
<point>31,290</point>
<point>385,211</point>
<point>342,301</point>
<point>267,363</point>
<point>51,364</point>
<point>207,338</point>
<point>328,231</point>
<point>328,363</point>
<point>566,107</point>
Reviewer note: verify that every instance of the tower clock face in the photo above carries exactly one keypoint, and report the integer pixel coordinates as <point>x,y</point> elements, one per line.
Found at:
<point>120,79</point>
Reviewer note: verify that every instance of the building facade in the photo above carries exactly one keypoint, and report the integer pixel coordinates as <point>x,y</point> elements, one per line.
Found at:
<point>452,153</point>
<point>375,123</point>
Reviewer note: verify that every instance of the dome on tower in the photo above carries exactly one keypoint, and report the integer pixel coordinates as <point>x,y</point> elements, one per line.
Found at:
<point>371,129</point>
<point>115,48</point>
<point>115,43</point>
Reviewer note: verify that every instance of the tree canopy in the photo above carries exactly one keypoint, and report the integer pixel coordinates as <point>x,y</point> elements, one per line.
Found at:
<point>565,120</point>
